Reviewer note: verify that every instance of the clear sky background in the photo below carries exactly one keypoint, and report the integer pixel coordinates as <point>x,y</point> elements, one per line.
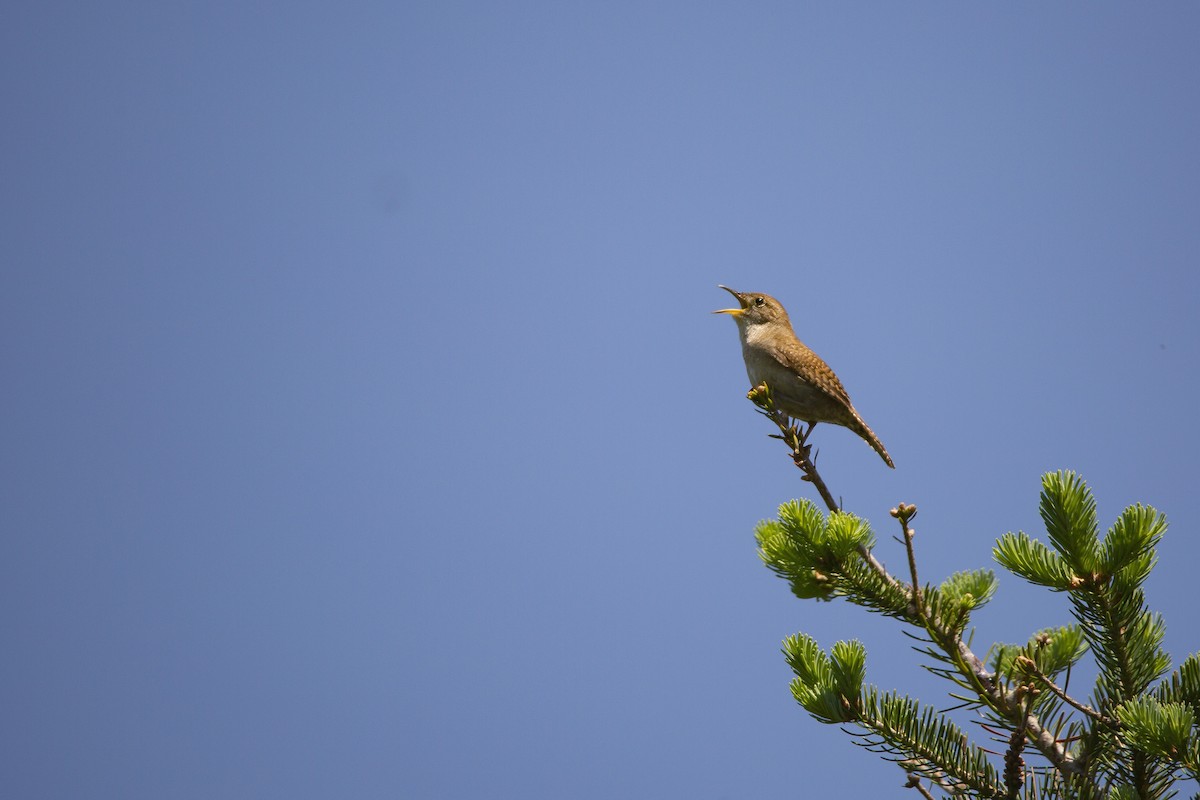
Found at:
<point>366,433</point>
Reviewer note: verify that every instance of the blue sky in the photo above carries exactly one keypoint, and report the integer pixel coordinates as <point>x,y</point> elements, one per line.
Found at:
<point>366,432</point>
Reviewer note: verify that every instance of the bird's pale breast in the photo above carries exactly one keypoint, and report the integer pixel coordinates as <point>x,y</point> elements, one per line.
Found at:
<point>795,396</point>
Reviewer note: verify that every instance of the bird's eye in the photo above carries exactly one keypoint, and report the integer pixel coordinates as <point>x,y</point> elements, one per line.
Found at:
<point>758,301</point>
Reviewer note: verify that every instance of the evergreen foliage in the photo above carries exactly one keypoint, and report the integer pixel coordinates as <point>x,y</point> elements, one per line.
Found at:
<point>1135,735</point>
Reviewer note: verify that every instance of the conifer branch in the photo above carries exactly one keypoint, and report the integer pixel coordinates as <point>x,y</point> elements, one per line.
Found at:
<point>790,434</point>
<point>1027,664</point>
<point>1130,741</point>
<point>981,680</point>
<point>797,548</point>
<point>1103,582</point>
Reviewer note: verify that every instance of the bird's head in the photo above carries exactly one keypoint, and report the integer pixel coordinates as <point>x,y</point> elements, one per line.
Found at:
<point>754,308</point>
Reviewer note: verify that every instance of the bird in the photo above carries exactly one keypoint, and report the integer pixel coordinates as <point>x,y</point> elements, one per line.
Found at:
<point>801,383</point>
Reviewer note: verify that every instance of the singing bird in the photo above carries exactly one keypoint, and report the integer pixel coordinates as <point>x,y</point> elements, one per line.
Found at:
<point>802,385</point>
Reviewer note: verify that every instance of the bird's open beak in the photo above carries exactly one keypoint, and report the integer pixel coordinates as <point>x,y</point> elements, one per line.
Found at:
<point>733,312</point>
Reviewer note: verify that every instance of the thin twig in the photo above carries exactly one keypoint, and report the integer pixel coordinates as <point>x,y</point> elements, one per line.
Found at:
<point>904,512</point>
<point>802,457</point>
<point>1027,664</point>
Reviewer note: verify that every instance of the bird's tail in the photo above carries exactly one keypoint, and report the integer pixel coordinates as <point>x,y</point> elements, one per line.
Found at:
<point>866,433</point>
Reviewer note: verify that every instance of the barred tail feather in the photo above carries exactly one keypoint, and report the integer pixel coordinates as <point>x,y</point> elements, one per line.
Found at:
<point>869,436</point>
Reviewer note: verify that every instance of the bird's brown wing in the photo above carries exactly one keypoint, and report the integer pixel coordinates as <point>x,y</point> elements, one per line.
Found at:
<point>820,375</point>
<point>795,353</point>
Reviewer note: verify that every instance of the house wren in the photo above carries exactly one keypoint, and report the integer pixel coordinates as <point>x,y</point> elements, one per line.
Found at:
<point>803,386</point>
